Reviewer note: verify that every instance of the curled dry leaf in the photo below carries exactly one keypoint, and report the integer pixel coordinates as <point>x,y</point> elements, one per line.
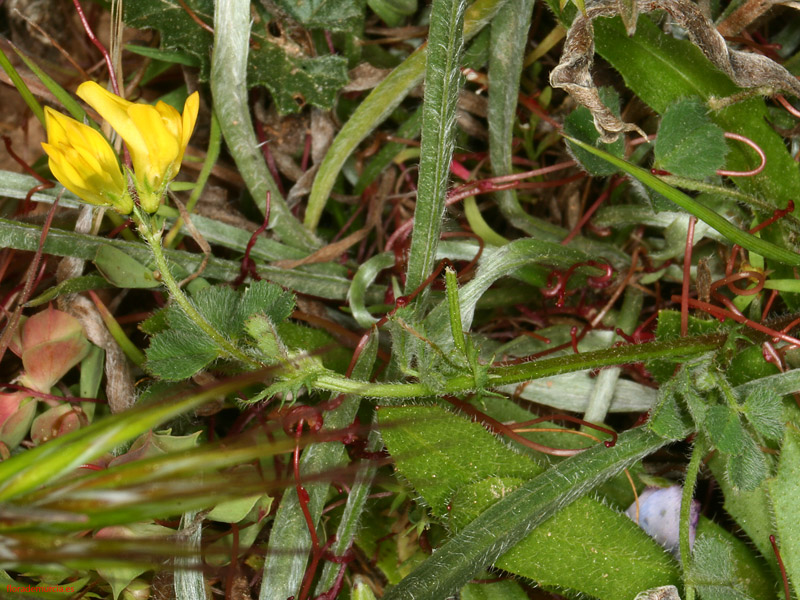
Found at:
<point>573,72</point>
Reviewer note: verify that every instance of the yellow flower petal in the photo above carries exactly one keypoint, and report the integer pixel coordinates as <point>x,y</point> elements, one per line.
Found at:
<point>115,110</point>
<point>161,143</point>
<point>83,161</point>
<point>190,109</point>
<point>156,137</point>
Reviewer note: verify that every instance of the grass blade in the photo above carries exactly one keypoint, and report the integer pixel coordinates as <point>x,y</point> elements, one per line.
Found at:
<point>442,84</point>
<point>378,105</point>
<point>692,206</point>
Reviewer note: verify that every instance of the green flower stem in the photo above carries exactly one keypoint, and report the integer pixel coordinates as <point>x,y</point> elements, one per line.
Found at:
<point>698,452</point>
<point>498,376</point>
<point>153,238</point>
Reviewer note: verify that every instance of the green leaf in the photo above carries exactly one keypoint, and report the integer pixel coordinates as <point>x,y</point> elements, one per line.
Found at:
<point>496,590</point>
<point>439,452</point>
<point>176,355</point>
<point>725,429</point>
<point>294,79</point>
<point>335,15</point>
<point>750,364</point>
<point>75,285</point>
<point>443,81</point>
<point>586,548</point>
<point>276,63</point>
<point>580,124</point>
<point>378,105</point>
<point>236,510</point>
<point>712,571</point>
<point>785,493</point>
<point>668,419</point>
<point>27,471</point>
<point>764,411</point>
<point>509,38</point>
<point>688,143</point>
<point>513,517</point>
<point>393,12</point>
<point>264,297</point>
<point>122,270</point>
<point>747,469</point>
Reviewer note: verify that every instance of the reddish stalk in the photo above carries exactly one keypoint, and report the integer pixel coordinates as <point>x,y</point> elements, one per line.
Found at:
<point>591,210</point>
<point>248,266</point>
<point>687,265</point>
<point>306,150</point>
<point>268,158</point>
<point>234,566</point>
<point>768,305</point>
<point>51,397</point>
<point>187,9</point>
<point>98,44</point>
<point>556,417</point>
<point>495,426</point>
<point>754,146</point>
<point>781,566</point>
<point>721,313</point>
<point>620,288</point>
<point>120,228</point>
<point>789,108</point>
<point>44,184</point>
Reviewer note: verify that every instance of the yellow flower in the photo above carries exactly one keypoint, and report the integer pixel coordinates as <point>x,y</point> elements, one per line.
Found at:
<point>84,162</point>
<point>156,137</point>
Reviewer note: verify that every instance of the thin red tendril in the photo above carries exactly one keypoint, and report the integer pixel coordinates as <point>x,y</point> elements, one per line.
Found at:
<point>561,417</point>
<point>97,44</point>
<point>53,397</point>
<point>591,210</point>
<point>195,18</point>
<point>754,146</point>
<point>557,281</point>
<point>270,160</point>
<point>248,266</point>
<point>44,184</point>
<point>768,305</point>
<point>497,427</point>
<point>789,108</point>
<point>722,313</point>
<point>781,566</point>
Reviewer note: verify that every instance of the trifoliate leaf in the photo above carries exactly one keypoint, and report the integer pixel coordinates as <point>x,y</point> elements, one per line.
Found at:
<point>267,298</point>
<point>764,411</point>
<point>183,349</point>
<point>176,355</point>
<point>688,143</point>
